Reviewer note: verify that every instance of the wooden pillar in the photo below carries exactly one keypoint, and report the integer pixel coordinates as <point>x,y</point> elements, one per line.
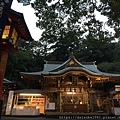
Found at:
<point>58,96</point>
<point>88,88</point>
<point>91,102</point>
<point>113,110</point>
<point>60,102</point>
<point>3,63</point>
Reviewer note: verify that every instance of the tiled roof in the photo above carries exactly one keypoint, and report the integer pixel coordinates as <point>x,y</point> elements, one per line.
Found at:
<point>7,81</point>
<point>55,67</point>
<point>18,18</point>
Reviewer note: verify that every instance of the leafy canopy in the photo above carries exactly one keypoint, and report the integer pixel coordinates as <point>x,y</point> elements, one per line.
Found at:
<point>70,23</point>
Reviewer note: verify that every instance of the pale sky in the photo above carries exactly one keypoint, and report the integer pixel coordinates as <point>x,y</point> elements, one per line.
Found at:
<point>30,18</point>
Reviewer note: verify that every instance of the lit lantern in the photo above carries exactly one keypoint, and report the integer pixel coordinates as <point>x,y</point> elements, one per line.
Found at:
<point>14,30</point>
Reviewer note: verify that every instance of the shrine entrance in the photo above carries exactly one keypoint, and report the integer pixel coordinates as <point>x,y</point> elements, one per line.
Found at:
<point>74,100</point>
<point>74,93</point>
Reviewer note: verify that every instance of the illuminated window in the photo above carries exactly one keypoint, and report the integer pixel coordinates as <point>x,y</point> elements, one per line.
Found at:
<point>6,32</point>
<point>14,36</point>
<point>117,87</point>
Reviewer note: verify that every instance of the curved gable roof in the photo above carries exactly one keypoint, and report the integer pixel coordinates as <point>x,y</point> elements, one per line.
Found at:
<point>71,62</point>
<point>70,65</point>
<point>19,20</point>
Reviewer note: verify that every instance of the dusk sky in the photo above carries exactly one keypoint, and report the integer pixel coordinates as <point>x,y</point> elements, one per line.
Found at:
<point>29,17</point>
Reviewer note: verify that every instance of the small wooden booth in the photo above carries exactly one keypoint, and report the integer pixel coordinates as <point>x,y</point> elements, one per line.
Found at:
<point>115,97</point>
<point>29,102</point>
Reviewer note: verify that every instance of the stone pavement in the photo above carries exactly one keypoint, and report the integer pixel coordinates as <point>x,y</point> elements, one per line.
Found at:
<point>22,118</point>
<point>65,116</point>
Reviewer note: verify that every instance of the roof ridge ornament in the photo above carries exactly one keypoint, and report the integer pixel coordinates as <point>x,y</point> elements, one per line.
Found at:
<point>72,55</point>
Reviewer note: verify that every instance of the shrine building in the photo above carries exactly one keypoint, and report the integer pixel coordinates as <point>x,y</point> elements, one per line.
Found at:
<point>75,86</point>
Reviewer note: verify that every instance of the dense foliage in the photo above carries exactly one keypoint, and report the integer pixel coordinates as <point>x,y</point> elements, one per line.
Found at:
<point>111,9</point>
<point>71,26</point>
<point>29,59</point>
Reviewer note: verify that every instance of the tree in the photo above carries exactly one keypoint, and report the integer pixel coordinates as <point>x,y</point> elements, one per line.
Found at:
<point>71,24</point>
<point>27,59</point>
<point>117,52</point>
<point>111,9</point>
<point>99,53</point>
<point>110,67</point>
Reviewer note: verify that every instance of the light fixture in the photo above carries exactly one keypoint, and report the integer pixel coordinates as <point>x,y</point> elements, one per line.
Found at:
<point>29,94</point>
<point>4,43</point>
<point>21,76</point>
<point>71,93</point>
<point>81,102</point>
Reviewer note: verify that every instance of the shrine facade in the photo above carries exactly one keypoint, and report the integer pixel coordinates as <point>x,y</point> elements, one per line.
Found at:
<point>75,86</point>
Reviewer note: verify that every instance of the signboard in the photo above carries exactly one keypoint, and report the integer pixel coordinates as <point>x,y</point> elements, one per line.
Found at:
<point>9,102</point>
<point>50,106</point>
<point>38,101</point>
<point>117,87</point>
<point>4,11</point>
<point>117,110</point>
